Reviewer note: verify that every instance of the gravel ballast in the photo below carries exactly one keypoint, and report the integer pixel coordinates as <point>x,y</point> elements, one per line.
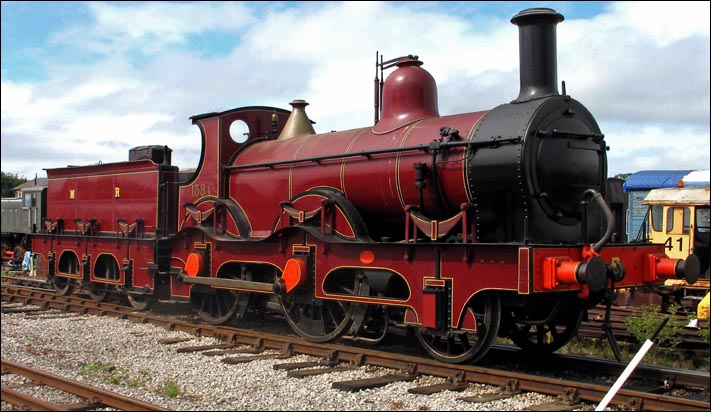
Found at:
<point>127,357</point>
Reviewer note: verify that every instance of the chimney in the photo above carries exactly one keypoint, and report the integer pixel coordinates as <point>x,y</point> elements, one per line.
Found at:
<point>537,52</point>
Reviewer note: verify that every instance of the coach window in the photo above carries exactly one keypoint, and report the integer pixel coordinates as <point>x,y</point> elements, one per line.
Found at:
<point>703,220</point>
<point>29,200</point>
<point>657,214</point>
<point>678,219</point>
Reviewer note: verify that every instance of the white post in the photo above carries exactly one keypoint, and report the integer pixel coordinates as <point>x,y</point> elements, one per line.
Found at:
<point>630,368</point>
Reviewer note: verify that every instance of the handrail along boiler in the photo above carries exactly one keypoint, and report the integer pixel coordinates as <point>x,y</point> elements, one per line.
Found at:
<point>458,228</point>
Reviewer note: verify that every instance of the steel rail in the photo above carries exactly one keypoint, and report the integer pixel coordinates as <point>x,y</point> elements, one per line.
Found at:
<point>91,394</point>
<point>358,356</point>
<point>689,378</point>
<point>26,402</point>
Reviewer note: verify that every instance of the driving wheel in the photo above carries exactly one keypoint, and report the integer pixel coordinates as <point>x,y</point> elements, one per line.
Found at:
<point>321,320</point>
<point>458,346</point>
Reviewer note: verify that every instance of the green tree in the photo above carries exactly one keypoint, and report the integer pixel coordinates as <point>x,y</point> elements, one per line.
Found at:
<point>9,181</point>
<point>622,176</point>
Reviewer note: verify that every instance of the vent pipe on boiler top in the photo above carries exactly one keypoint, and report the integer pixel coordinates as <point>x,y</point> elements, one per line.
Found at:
<point>537,52</point>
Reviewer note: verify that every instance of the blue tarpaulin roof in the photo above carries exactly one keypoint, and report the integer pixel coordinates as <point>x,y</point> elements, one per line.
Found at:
<point>654,179</point>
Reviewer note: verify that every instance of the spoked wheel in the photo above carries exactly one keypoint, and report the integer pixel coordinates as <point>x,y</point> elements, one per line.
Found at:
<point>547,335</point>
<point>458,346</point>
<point>320,320</point>
<point>99,292</point>
<point>141,302</point>
<point>214,306</point>
<point>63,286</point>
<point>220,306</point>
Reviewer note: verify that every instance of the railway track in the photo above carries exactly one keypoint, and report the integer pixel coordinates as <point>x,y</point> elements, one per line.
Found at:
<point>90,398</point>
<point>403,367</point>
<point>692,343</point>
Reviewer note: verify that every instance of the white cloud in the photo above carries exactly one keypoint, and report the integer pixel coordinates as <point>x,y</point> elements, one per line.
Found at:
<point>664,22</point>
<point>170,21</point>
<point>655,146</point>
<point>624,70</point>
<point>12,96</point>
<point>641,69</point>
<point>153,27</point>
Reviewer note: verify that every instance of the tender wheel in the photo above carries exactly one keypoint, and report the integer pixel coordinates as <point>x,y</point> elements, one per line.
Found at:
<point>141,302</point>
<point>63,286</point>
<point>320,320</point>
<point>548,335</point>
<point>99,292</point>
<point>457,346</point>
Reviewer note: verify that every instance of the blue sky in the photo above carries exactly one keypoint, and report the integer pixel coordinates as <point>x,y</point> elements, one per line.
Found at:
<point>85,82</point>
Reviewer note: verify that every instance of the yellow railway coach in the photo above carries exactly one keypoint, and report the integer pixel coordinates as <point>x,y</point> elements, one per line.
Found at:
<point>680,219</point>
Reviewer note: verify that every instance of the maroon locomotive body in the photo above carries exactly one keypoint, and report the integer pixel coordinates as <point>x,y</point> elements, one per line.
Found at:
<point>459,228</point>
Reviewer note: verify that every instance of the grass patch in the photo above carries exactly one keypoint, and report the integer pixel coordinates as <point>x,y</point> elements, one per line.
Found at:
<point>171,388</point>
<point>105,371</point>
<point>645,320</point>
<point>601,348</point>
<point>642,324</point>
<point>95,370</point>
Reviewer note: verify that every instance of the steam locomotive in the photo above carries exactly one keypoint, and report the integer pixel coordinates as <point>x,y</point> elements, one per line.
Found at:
<point>459,228</point>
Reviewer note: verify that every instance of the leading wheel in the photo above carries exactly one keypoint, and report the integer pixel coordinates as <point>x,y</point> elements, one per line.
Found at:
<point>321,320</point>
<point>458,346</point>
<point>547,335</point>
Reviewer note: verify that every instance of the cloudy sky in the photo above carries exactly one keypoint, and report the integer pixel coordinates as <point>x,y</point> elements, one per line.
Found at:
<point>85,82</point>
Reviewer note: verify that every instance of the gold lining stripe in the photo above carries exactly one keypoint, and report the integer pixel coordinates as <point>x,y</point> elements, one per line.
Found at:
<point>342,212</point>
<point>392,301</point>
<point>292,165</point>
<point>356,137</point>
<point>465,163</point>
<point>92,268</point>
<point>300,249</point>
<point>400,196</point>
<point>434,282</point>
<point>132,172</point>
<point>524,273</point>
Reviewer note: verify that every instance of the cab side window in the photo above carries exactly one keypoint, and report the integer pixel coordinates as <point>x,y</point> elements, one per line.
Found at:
<point>678,220</point>
<point>703,220</point>
<point>657,214</point>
